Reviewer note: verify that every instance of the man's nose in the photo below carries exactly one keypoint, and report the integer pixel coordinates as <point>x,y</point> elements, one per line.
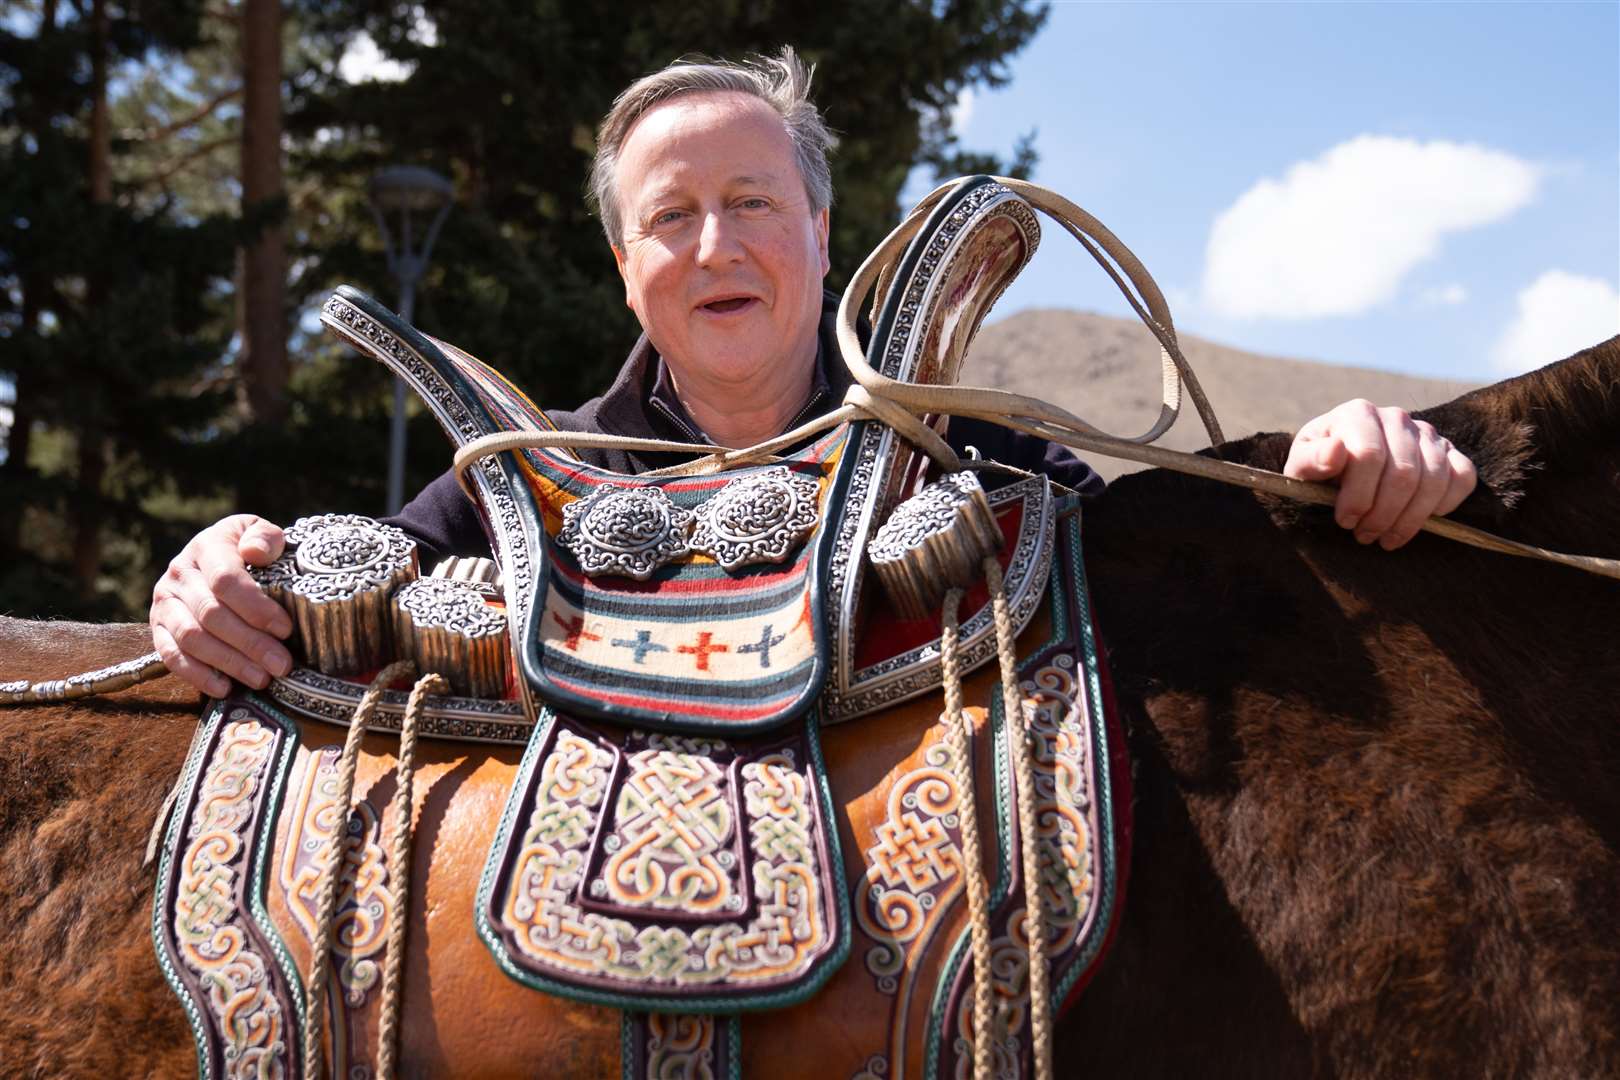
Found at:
<point>718,241</point>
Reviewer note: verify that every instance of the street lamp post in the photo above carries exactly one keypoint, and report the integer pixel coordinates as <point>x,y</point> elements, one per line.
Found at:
<point>403,191</point>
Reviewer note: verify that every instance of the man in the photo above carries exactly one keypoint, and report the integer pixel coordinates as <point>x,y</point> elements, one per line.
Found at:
<point>714,192</point>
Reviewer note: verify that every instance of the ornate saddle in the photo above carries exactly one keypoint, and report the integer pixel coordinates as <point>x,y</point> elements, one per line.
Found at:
<point>742,815</point>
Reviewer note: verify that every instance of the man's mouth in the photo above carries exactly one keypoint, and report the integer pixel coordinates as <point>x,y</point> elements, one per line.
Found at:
<point>728,305</point>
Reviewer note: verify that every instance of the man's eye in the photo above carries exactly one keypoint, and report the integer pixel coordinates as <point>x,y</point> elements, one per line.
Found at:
<point>754,202</point>
<point>666,217</point>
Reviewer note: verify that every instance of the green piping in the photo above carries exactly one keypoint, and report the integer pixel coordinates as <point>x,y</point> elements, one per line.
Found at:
<point>715,1004</point>
<point>160,897</point>
<point>263,841</point>
<point>1104,793</point>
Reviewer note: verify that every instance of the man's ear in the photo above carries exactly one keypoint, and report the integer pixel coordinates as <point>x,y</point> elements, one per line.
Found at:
<point>618,261</point>
<point>823,229</point>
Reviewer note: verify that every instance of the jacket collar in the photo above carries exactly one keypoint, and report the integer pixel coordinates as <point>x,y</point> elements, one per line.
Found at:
<point>642,402</point>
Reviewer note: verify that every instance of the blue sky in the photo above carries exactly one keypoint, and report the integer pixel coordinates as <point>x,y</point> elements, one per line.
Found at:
<point>1427,188</point>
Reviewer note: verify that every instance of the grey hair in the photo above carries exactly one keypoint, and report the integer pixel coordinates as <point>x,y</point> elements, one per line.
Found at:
<point>781,81</point>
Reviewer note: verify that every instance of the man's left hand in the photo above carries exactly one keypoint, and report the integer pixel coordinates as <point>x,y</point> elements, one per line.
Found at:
<point>1393,472</point>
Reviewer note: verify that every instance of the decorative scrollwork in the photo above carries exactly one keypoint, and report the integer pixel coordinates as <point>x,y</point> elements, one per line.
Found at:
<point>446,626</point>
<point>758,518</point>
<point>334,580</point>
<point>629,531</point>
<point>936,539</point>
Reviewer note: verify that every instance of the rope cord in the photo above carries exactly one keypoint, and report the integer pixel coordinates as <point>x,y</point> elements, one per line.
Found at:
<point>1022,744</point>
<point>400,883</point>
<point>901,404</point>
<point>332,871</point>
<point>978,900</point>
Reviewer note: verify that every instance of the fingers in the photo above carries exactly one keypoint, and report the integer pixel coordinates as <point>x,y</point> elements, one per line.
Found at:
<point>223,579</point>
<point>261,542</point>
<point>216,607</point>
<point>1315,454</point>
<point>1433,481</point>
<point>1357,425</point>
<point>1399,484</point>
<point>1394,472</point>
<point>1464,478</point>
<point>199,675</point>
<point>210,620</point>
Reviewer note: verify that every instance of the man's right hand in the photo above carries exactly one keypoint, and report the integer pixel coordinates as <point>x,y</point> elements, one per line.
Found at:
<point>210,620</point>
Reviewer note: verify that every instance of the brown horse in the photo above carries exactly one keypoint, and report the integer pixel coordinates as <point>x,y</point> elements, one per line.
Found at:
<point>1375,826</point>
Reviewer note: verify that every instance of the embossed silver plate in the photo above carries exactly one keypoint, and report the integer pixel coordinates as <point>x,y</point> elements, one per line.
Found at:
<point>625,530</point>
<point>333,700</point>
<point>757,519</point>
<point>917,671</point>
<point>937,539</point>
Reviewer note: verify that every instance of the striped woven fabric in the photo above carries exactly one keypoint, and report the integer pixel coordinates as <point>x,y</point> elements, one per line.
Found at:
<point>697,645</point>
<point>509,407</point>
<point>693,645</point>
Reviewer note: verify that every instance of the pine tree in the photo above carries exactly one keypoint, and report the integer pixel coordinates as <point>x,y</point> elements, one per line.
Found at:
<point>138,280</point>
<point>113,324</point>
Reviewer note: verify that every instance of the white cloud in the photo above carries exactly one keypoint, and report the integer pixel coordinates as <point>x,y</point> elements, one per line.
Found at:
<point>1443,295</point>
<point>363,61</point>
<point>1559,313</point>
<point>1336,235</point>
<point>962,111</point>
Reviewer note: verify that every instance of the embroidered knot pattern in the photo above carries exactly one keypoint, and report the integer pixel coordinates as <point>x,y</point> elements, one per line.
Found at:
<point>673,835</point>
<point>235,978</point>
<point>914,871</point>
<point>361,923</point>
<point>673,827</point>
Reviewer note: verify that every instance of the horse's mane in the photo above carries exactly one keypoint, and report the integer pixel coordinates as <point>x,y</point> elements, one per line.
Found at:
<point>1535,440</point>
<point>1397,764</point>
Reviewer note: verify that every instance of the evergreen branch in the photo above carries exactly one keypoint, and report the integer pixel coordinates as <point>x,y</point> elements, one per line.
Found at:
<point>173,166</point>
<point>196,116</point>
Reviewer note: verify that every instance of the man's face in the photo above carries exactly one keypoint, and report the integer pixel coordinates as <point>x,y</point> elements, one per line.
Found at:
<point>722,257</point>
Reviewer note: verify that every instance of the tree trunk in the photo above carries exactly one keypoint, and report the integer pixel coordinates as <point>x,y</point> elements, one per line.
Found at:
<point>264,258</point>
<point>92,440</point>
<point>100,130</point>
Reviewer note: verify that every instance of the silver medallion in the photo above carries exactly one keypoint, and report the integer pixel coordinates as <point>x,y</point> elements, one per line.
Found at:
<point>629,531</point>
<point>447,627</point>
<point>758,518</point>
<point>937,539</point>
<point>334,580</point>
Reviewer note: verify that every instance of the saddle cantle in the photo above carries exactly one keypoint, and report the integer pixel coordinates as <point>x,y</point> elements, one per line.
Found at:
<point>733,777</point>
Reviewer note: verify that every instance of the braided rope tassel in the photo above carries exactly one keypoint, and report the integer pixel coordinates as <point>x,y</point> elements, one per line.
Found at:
<point>399,886</point>
<point>1023,746</point>
<point>978,900</point>
<point>332,872</point>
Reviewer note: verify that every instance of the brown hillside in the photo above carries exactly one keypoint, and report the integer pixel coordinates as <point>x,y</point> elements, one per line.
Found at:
<point>1106,370</point>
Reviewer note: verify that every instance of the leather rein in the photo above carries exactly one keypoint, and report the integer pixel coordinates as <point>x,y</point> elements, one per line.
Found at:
<point>902,405</point>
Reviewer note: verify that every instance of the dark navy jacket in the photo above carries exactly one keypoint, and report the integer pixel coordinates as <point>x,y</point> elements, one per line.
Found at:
<point>642,404</point>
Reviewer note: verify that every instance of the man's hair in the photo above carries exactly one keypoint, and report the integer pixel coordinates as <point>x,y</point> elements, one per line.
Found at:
<point>781,81</point>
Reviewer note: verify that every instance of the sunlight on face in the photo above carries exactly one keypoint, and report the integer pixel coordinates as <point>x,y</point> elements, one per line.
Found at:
<point>722,256</point>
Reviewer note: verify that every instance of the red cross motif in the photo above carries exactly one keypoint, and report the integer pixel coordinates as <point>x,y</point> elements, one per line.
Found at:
<point>702,649</point>
<point>575,629</point>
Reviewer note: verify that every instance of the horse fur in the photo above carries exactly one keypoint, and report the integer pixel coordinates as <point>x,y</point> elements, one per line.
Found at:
<point>80,785</point>
<point>1376,826</point>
